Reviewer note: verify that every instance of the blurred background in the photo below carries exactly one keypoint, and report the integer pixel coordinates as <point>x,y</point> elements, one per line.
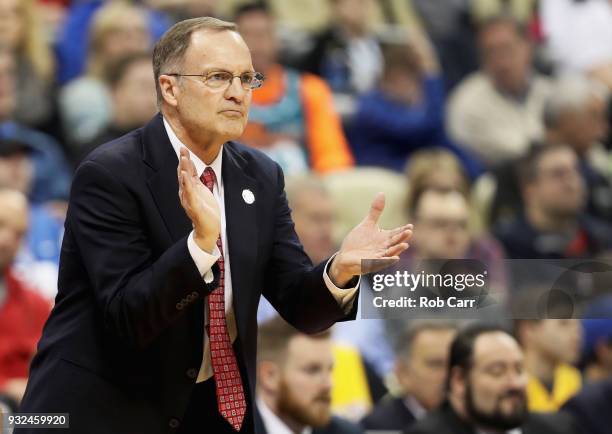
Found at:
<point>485,122</point>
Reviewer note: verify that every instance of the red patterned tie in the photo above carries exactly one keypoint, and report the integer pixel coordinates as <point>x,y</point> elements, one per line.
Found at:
<point>230,393</point>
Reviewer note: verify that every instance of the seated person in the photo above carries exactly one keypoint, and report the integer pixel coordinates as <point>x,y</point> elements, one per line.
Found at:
<point>420,369</point>
<point>405,112</point>
<point>551,347</point>
<point>486,389</point>
<point>294,382</point>
<point>554,224</point>
<point>497,112</point>
<point>292,118</point>
<point>22,311</point>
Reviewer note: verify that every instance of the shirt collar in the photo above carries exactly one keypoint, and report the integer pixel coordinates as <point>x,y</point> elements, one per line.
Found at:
<point>199,164</point>
<point>273,423</point>
<point>415,407</point>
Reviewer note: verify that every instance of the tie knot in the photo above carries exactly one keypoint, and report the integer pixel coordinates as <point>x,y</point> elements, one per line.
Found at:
<point>208,178</point>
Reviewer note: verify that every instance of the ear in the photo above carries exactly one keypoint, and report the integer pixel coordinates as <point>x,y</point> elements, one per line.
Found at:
<point>169,89</point>
<point>457,381</point>
<point>402,373</point>
<point>268,376</point>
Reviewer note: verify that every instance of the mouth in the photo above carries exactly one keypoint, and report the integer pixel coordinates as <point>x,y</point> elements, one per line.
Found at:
<point>231,113</point>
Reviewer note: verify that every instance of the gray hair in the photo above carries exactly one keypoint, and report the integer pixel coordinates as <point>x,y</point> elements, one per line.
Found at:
<point>170,49</point>
<point>571,93</point>
<point>414,329</point>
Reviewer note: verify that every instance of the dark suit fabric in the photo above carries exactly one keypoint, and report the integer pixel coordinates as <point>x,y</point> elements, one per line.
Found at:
<point>123,345</point>
<point>388,414</point>
<point>591,409</point>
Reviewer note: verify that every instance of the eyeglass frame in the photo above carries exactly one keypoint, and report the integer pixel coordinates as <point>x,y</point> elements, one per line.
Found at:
<point>229,82</point>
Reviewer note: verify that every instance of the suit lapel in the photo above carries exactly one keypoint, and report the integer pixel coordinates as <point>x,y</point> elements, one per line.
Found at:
<point>241,228</point>
<point>159,155</point>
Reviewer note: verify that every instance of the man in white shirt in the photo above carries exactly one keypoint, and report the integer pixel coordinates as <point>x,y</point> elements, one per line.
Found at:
<point>162,267</point>
<point>294,382</point>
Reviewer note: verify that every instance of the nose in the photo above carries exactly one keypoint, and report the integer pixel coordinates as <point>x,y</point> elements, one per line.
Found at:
<point>235,91</point>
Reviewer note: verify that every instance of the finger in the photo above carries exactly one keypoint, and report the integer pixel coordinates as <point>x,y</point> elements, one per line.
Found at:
<point>400,238</point>
<point>376,209</point>
<point>396,250</point>
<point>399,229</point>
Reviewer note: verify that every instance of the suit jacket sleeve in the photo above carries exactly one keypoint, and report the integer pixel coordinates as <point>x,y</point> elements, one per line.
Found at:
<point>138,294</point>
<point>292,285</point>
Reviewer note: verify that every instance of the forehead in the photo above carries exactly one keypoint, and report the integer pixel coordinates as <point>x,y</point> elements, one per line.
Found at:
<point>442,204</point>
<point>557,157</point>
<point>216,49</point>
<point>432,340</point>
<point>305,349</point>
<point>496,347</point>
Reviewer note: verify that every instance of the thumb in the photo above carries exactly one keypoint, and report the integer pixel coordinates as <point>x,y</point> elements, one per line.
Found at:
<point>376,209</point>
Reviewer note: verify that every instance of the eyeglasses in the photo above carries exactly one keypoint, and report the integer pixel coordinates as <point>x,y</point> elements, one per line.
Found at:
<point>219,79</point>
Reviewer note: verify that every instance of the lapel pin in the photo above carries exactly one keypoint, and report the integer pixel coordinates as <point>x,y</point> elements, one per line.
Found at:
<point>248,196</point>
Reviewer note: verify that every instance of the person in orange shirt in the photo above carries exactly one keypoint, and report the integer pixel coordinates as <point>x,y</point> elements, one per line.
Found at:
<point>292,117</point>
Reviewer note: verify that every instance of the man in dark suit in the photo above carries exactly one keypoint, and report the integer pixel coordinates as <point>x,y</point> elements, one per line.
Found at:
<point>294,382</point>
<point>154,327</point>
<point>420,369</point>
<point>486,390</point>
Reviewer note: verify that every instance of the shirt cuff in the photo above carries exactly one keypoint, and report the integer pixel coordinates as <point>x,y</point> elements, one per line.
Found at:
<point>203,260</point>
<point>345,297</point>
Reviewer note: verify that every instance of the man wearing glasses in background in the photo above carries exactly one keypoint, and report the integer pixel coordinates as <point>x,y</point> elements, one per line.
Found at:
<point>154,328</point>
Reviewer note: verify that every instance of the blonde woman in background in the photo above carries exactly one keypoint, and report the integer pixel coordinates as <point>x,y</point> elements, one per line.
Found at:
<point>118,29</point>
<point>22,34</point>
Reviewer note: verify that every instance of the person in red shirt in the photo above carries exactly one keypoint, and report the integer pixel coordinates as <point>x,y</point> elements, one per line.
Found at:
<point>22,312</point>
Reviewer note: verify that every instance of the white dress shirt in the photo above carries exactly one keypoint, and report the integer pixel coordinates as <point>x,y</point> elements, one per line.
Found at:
<point>204,260</point>
<point>273,423</point>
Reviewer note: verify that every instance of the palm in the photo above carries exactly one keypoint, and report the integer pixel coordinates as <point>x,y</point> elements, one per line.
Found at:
<point>368,242</point>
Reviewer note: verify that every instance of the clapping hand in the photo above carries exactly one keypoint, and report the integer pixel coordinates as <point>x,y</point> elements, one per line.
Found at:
<point>367,241</point>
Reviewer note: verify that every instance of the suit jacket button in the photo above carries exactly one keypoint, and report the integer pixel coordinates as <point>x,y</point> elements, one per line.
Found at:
<point>192,373</point>
<point>173,423</point>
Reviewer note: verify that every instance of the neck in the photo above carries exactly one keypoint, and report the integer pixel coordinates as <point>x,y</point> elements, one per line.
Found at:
<point>206,149</point>
<point>271,403</point>
<point>540,366</point>
<point>543,221</point>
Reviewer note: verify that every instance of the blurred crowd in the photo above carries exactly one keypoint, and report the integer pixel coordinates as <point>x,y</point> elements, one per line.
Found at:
<point>485,122</point>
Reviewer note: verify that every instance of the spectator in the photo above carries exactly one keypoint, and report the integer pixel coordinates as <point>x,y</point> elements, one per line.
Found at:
<point>553,224</point>
<point>118,29</point>
<point>442,217</point>
<point>294,382</point>
<point>421,372</point>
<point>22,312</point>
<point>551,347</point>
<point>579,36</point>
<point>347,54</point>
<point>73,43</point>
<point>592,407</point>
<point>51,173</point>
<point>486,389</point>
<point>37,263</point>
<point>292,117</point>
<point>597,342</point>
<point>405,112</point>
<point>497,112</point>
<point>576,114</point>
<point>21,33</point>
<point>448,24</point>
<point>132,88</point>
